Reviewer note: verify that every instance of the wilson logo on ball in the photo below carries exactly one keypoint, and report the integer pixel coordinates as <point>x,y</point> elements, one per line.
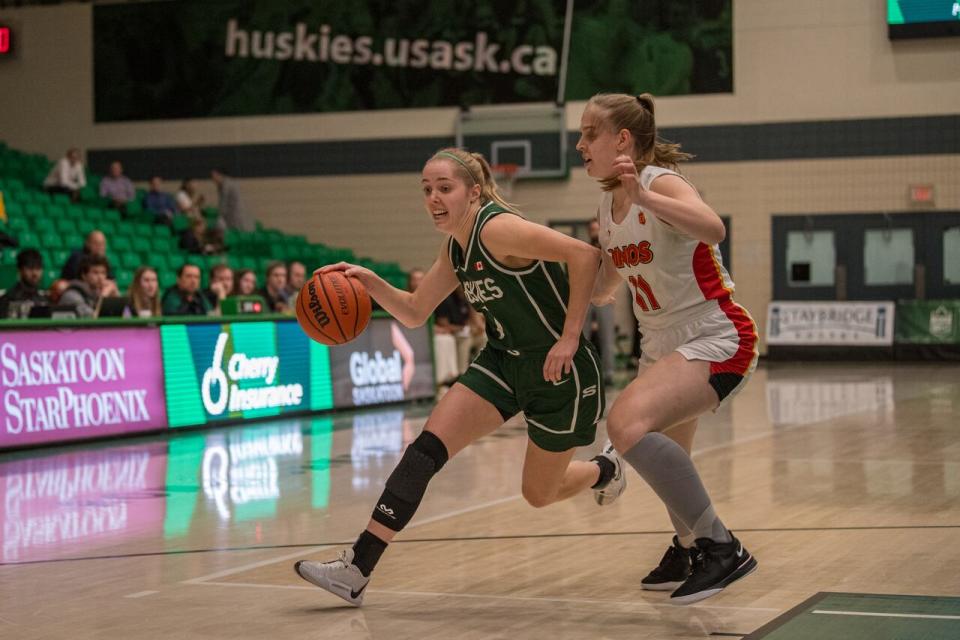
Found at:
<point>322,318</point>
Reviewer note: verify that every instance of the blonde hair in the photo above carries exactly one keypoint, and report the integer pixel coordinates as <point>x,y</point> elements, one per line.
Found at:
<point>636,115</point>
<point>138,297</point>
<point>473,169</point>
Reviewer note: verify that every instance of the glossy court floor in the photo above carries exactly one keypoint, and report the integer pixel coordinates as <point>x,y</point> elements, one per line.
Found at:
<point>839,478</point>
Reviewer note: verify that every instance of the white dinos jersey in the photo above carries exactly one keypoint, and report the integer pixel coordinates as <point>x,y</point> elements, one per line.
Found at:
<point>672,277</point>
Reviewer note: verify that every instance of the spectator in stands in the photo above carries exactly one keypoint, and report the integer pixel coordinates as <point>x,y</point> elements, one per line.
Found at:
<point>233,215</point>
<point>86,293</point>
<point>95,244</point>
<point>453,317</point>
<point>67,175</point>
<point>195,239</point>
<point>159,203</point>
<point>144,294</point>
<point>117,188</point>
<point>245,283</point>
<point>26,292</point>
<point>274,291</point>
<point>184,298</point>
<point>296,277</point>
<point>189,201</point>
<point>221,285</point>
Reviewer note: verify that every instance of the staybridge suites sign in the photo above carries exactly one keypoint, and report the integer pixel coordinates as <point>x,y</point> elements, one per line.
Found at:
<point>58,387</point>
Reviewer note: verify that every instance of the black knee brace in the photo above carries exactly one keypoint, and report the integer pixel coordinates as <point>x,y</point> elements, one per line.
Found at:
<point>406,485</point>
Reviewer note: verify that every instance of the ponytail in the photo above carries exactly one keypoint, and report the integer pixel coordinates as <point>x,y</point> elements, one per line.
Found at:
<point>636,114</point>
<point>473,169</point>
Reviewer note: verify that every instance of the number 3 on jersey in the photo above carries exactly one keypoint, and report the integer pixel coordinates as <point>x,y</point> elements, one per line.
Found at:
<point>642,293</point>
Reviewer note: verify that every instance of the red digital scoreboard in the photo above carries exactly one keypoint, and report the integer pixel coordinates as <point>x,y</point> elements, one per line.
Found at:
<point>6,41</point>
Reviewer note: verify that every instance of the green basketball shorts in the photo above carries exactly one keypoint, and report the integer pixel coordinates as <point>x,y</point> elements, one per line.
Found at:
<point>560,415</point>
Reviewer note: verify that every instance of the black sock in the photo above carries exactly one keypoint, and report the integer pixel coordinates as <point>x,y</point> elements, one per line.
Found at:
<point>367,551</point>
<point>607,469</point>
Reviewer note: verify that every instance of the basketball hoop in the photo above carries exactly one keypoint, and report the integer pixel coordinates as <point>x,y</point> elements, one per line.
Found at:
<point>505,175</point>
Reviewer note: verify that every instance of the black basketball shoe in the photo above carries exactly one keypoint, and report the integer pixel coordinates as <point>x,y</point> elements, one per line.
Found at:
<point>673,569</point>
<point>715,566</point>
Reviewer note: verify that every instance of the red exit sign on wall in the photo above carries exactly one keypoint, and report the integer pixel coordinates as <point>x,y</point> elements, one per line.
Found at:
<point>6,41</point>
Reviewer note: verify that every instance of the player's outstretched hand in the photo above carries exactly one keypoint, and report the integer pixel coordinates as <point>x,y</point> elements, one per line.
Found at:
<point>560,359</point>
<point>364,275</point>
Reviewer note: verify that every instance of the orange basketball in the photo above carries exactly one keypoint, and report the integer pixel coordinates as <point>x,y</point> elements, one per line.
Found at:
<point>332,308</point>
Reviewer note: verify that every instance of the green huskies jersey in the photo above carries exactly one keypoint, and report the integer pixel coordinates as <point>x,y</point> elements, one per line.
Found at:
<point>524,308</point>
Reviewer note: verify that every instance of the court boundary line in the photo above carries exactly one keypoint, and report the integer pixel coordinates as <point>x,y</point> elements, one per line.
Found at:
<point>518,536</point>
<point>302,552</point>
<point>885,615</point>
<point>483,596</point>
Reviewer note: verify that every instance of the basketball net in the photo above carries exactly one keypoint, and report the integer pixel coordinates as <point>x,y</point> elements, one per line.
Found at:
<point>506,176</point>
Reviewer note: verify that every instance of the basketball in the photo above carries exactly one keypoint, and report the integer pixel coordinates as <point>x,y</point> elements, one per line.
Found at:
<point>333,308</point>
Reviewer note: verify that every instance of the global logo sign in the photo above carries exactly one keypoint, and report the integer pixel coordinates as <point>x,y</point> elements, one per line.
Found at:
<point>220,390</point>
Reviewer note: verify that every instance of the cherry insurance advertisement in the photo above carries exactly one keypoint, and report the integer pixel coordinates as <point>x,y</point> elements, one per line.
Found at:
<point>76,384</point>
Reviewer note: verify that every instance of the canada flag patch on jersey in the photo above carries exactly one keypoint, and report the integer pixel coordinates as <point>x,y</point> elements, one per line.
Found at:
<point>478,266</point>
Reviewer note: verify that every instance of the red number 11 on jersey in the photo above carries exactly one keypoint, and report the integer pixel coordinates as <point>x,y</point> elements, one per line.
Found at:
<point>642,286</point>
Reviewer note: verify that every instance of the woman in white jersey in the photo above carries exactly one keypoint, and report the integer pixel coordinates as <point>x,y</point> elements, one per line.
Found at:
<point>699,347</point>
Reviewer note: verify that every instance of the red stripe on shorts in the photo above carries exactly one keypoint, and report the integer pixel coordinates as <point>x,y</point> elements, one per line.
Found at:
<point>707,271</point>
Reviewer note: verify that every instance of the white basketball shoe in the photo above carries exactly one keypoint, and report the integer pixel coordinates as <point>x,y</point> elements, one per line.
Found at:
<point>340,577</point>
<point>612,490</point>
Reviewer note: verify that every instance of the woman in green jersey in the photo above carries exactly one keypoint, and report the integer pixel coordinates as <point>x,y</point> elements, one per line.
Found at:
<point>535,360</point>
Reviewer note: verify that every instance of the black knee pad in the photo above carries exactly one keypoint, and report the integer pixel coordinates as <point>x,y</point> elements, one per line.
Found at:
<point>406,485</point>
<point>725,383</point>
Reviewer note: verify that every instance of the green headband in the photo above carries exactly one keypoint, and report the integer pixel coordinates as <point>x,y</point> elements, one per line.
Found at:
<point>447,154</point>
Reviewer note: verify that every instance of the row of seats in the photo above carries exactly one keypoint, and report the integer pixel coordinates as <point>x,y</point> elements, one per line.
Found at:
<point>56,226</point>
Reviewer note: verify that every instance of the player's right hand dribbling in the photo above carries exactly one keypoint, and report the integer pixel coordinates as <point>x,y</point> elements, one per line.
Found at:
<point>364,275</point>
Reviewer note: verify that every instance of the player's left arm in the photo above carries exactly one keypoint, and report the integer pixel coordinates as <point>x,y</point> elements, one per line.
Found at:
<point>510,235</point>
<point>673,200</point>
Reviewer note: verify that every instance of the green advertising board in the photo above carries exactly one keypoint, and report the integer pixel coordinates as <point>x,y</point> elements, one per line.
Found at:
<point>242,370</point>
<point>928,322</point>
<point>187,59</point>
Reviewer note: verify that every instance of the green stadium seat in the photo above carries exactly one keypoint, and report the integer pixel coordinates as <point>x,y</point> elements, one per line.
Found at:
<point>167,279</point>
<point>18,225</point>
<point>34,210</point>
<point>8,276</point>
<point>21,196</point>
<point>112,215</point>
<point>124,279</point>
<point>86,226</point>
<point>161,244</point>
<point>51,240</point>
<point>162,231</point>
<point>93,214</point>
<point>158,261</point>
<point>109,229</point>
<point>180,224</point>
<point>119,243</point>
<point>61,199</point>
<point>50,274</point>
<point>29,239</point>
<point>130,260</point>
<point>141,244</point>
<point>72,241</point>
<point>14,184</point>
<point>59,257</point>
<point>142,229</point>
<point>14,209</point>
<point>40,197</point>
<point>9,255</point>
<point>65,226</point>
<point>176,260</point>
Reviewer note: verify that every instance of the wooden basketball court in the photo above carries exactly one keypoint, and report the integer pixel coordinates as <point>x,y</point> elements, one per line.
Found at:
<point>840,479</point>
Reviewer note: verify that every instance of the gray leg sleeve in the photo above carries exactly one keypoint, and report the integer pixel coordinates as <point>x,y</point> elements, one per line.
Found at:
<point>669,471</point>
<point>684,534</point>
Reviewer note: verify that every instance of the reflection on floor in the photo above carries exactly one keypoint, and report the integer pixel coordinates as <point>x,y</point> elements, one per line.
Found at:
<point>838,477</point>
